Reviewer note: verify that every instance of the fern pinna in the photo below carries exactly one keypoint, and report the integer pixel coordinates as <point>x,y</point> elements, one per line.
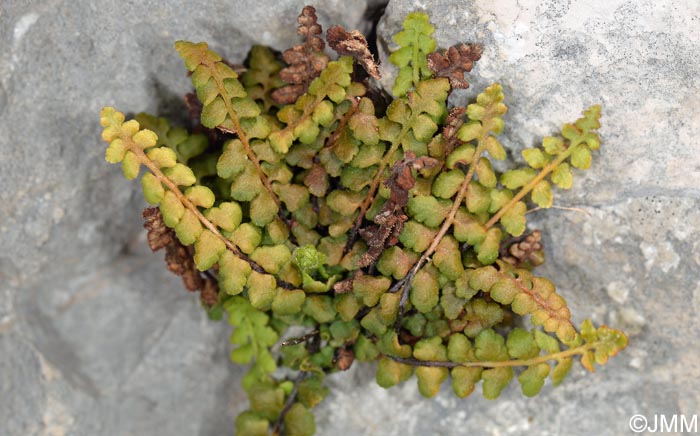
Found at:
<point>296,199</point>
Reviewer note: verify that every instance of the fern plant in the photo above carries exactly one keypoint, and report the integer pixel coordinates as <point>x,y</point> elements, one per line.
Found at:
<point>293,199</point>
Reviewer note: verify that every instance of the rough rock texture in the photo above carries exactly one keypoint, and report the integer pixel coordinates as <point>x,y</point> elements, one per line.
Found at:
<point>96,337</point>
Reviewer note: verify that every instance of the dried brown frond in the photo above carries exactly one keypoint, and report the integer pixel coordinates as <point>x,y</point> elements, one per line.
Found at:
<point>344,286</point>
<point>210,292</point>
<point>343,358</point>
<point>305,61</point>
<point>390,220</point>
<point>527,250</point>
<point>454,62</point>
<point>353,44</point>
<point>454,121</point>
<point>179,258</point>
<point>158,234</point>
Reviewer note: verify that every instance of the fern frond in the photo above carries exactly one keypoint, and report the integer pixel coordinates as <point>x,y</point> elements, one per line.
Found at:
<point>315,107</point>
<point>485,116</point>
<point>551,159</point>
<point>253,337</point>
<point>526,295</point>
<point>225,103</point>
<point>492,359</point>
<point>262,76</point>
<point>415,42</point>
<point>205,229</point>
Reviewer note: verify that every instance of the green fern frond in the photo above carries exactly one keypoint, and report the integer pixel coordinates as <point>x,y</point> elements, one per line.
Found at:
<point>223,97</point>
<point>314,108</point>
<point>527,295</point>
<point>554,160</point>
<point>253,337</point>
<point>262,76</point>
<point>184,145</point>
<point>226,106</point>
<point>415,42</point>
<point>492,359</point>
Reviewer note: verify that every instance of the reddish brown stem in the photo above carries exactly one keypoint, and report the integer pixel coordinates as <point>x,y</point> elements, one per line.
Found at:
<point>343,122</point>
<point>369,199</point>
<point>277,427</point>
<point>172,187</point>
<point>242,136</point>
<point>405,284</point>
<point>496,363</point>
<point>530,186</point>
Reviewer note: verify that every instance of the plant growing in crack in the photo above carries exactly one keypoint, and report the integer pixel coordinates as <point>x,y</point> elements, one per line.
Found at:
<point>292,201</point>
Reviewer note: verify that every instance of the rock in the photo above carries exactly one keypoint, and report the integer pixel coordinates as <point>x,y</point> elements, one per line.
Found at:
<point>97,338</point>
<point>628,320</point>
<point>618,291</point>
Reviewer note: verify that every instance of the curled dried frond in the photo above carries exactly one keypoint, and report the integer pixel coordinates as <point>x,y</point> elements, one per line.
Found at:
<point>309,28</point>
<point>344,357</point>
<point>305,61</point>
<point>343,287</point>
<point>158,234</point>
<point>528,249</point>
<point>454,121</point>
<point>454,62</point>
<point>210,292</point>
<point>353,44</point>
<point>389,222</point>
<point>178,258</point>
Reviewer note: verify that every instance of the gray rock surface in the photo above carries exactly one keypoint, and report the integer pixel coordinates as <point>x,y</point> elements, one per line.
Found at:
<point>97,338</point>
